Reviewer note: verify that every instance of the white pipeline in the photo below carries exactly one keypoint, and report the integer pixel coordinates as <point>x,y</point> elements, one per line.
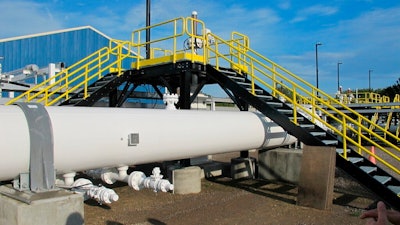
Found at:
<point>85,138</point>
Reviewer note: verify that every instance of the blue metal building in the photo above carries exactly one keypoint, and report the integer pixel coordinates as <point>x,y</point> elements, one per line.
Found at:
<point>68,46</point>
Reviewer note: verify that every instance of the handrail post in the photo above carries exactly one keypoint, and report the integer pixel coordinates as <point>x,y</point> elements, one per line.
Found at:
<point>295,106</point>
<point>344,136</point>
<point>99,61</point>
<point>359,134</point>
<point>46,97</point>
<point>174,41</point>
<point>85,95</point>
<point>274,81</point>
<point>66,84</point>
<point>252,78</point>
<point>313,106</point>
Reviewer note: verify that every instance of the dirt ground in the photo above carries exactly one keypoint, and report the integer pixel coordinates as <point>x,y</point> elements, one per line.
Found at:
<point>225,201</point>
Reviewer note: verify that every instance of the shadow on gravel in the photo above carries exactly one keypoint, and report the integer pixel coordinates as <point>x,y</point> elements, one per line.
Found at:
<point>282,192</point>
<point>155,222</point>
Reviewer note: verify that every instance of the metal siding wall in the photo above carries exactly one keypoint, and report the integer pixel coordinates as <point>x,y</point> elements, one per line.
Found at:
<point>68,47</point>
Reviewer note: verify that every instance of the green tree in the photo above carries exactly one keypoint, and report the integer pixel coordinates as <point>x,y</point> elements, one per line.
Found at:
<point>391,91</point>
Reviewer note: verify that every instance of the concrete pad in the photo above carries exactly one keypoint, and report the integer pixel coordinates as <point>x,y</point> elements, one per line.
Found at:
<point>280,164</point>
<point>58,207</point>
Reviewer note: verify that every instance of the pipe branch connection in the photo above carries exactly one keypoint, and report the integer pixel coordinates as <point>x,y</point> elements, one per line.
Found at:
<point>99,193</point>
<point>86,188</point>
<point>136,180</point>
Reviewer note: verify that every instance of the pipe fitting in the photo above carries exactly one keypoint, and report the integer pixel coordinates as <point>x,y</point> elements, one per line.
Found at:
<point>138,180</point>
<point>100,193</point>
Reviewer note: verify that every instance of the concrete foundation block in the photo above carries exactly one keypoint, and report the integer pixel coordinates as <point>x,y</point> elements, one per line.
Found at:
<point>243,168</point>
<point>59,207</point>
<point>187,180</point>
<point>280,165</point>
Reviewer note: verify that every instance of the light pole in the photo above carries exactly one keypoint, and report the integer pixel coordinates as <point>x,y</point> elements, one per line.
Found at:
<point>316,62</point>
<point>338,83</point>
<point>148,3</point>
<point>369,79</point>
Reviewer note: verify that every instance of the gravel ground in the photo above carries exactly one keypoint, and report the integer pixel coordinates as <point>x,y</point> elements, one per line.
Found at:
<point>225,201</point>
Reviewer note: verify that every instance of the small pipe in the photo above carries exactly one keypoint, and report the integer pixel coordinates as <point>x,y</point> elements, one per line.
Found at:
<point>100,194</point>
<point>137,179</point>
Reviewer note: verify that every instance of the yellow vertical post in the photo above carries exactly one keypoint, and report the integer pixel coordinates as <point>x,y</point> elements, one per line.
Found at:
<point>66,85</point>
<point>46,99</point>
<point>344,136</point>
<point>252,78</point>
<point>174,41</point>
<point>274,81</point>
<point>99,61</point>
<point>295,106</point>
<point>313,104</point>
<point>85,95</point>
<point>359,134</point>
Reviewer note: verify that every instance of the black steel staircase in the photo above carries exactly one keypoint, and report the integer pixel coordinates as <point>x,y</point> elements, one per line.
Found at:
<point>370,175</point>
<point>103,87</point>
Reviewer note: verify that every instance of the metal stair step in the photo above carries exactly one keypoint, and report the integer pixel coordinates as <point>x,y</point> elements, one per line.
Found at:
<point>275,104</point>
<point>285,111</point>
<point>355,160</point>
<point>255,90</point>
<point>299,118</point>
<point>226,72</point>
<point>264,97</point>
<point>307,125</point>
<point>101,83</point>
<point>318,134</point>
<point>244,83</point>
<point>75,100</point>
<point>108,78</point>
<point>330,142</point>
<point>382,179</point>
<point>234,76</point>
<point>93,89</point>
<point>237,79</point>
<point>368,169</point>
<point>341,150</point>
<point>395,189</point>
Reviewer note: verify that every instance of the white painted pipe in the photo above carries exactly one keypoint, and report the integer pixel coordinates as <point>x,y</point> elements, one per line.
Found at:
<point>90,137</point>
<point>99,193</point>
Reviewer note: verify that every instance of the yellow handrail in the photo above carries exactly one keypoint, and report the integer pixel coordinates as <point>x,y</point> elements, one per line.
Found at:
<point>270,75</point>
<point>178,27</point>
<point>78,76</point>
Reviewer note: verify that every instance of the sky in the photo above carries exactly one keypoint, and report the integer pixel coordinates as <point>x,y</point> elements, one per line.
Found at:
<point>363,35</point>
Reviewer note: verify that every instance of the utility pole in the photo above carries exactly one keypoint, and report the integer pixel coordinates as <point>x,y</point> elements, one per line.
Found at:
<point>148,30</point>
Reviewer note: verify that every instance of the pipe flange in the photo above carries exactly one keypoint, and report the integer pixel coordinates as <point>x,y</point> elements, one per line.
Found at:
<point>135,180</point>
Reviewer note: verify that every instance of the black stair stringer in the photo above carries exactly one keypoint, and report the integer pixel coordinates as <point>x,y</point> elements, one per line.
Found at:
<point>97,90</point>
<point>353,165</point>
<point>282,120</point>
<point>367,180</point>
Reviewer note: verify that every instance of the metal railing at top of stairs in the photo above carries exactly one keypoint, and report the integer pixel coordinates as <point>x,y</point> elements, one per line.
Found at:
<point>183,39</point>
<point>79,75</point>
<point>293,89</point>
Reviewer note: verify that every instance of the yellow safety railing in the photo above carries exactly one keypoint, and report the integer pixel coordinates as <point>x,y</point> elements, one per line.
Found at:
<point>79,75</point>
<point>355,130</point>
<point>371,97</point>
